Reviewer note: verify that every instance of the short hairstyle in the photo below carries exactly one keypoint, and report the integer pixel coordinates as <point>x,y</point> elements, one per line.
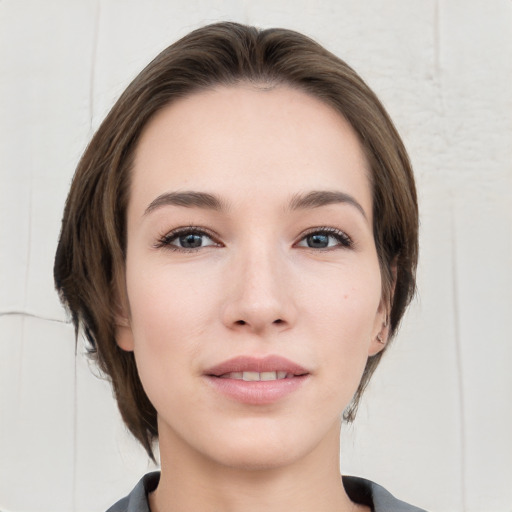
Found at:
<point>90,258</point>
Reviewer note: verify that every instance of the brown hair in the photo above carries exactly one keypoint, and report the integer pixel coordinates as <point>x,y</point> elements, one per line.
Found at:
<point>89,263</point>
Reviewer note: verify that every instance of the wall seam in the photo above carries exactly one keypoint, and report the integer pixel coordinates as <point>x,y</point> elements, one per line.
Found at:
<point>94,56</point>
<point>25,291</point>
<point>92,81</point>
<point>438,8</point>
<point>26,314</point>
<point>459,365</point>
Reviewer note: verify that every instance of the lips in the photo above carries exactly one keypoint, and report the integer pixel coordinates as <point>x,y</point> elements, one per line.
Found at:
<point>256,381</point>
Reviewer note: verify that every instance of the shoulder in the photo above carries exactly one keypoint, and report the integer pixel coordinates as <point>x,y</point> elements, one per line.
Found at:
<point>373,495</point>
<point>137,500</point>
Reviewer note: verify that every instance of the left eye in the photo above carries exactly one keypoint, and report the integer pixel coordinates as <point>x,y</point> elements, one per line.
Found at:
<point>325,240</point>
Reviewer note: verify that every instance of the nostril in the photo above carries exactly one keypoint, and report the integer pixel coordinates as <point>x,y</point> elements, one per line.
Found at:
<point>243,322</point>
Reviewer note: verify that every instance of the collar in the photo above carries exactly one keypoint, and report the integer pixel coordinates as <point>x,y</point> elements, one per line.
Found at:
<point>359,490</point>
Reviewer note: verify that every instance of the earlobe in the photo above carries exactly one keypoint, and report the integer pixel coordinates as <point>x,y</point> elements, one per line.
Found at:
<point>123,328</point>
<point>382,327</point>
<point>124,334</point>
<point>379,341</point>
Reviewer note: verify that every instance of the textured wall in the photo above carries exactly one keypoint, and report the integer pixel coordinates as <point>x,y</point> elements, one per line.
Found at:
<point>435,425</point>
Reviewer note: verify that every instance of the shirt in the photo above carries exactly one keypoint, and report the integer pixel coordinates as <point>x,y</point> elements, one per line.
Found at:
<point>359,490</point>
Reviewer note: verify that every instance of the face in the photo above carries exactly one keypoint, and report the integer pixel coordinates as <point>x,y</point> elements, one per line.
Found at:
<point>253,283</point>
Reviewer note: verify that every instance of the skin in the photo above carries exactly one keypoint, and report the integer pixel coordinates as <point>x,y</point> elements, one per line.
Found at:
<point>254,287</point>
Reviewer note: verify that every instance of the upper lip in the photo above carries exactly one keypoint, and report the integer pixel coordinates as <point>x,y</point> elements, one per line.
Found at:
<point>272,363</point>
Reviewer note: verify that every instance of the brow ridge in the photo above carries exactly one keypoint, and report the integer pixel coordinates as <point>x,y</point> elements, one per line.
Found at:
<point>318,198</point>
<point>309,200</point>
<point>187,199</point>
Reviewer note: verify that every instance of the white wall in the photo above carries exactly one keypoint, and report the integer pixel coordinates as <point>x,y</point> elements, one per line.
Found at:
<point>435,427</point>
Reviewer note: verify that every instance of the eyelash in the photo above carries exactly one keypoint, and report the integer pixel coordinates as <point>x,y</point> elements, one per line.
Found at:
<point>166,240</point>
<point>344,240</point>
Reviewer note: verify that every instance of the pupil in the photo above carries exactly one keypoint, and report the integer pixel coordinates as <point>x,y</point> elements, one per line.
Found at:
<point>318,241</point>
<point>191,241</point>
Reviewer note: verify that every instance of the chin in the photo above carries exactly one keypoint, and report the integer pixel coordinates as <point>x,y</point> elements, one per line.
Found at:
<point>263,449</point>
<point>257,458</point>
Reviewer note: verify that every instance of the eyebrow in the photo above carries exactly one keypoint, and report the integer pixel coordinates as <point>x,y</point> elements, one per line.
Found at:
<point>204,200</point>
<point>188,200</point>
<point>318,198</point>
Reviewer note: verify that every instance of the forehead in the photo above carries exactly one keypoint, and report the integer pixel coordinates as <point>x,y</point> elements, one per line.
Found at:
<point>248,139</point>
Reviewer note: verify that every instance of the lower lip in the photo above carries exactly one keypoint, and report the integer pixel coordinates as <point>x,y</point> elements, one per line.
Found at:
<point>256,392</point>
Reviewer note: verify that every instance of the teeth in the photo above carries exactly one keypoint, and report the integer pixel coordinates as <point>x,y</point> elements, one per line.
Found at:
<point>233,375</point>
<point>251,376</point>
<point>257,376</point>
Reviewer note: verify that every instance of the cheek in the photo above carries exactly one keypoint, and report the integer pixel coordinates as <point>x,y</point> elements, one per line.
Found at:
<point>168,317</point>
<point>163,298</point>
<point>342,313</point>
<point>343,298</point>
<point>169,314</point>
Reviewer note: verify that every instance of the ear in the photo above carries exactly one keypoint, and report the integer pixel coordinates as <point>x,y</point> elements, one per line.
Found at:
<point>381,328</point>
<point>123,332</point>
<point>380,331</point>
<point>123,328</point>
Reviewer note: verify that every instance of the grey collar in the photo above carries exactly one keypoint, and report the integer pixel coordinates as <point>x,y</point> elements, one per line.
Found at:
<point>358,489</point>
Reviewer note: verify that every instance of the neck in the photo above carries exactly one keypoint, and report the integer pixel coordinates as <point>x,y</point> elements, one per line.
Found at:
<point>191,482</point>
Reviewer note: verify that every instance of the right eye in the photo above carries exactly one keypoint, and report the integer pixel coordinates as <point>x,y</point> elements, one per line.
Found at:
<point>187,239</point>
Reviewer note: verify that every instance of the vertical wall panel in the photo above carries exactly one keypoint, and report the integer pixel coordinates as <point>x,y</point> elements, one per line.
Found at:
<point>45,60</point>
<point>44,101</point>
<point>476,67</point>
<point>37,407</point>
<point>108,459</point>
<point>131,34</point>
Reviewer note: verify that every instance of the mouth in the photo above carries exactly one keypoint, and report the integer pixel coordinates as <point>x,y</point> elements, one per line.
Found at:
<point>256,381</point>
<point>258,376</point>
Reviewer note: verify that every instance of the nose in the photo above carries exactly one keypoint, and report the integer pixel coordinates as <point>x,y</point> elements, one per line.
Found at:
<point>259,296</point>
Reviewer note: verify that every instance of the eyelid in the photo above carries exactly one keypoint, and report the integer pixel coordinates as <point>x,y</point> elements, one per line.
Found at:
<point>344,240</point>
<point>164,241</point>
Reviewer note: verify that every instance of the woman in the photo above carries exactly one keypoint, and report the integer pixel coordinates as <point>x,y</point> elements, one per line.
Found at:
<point>239,245</point>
